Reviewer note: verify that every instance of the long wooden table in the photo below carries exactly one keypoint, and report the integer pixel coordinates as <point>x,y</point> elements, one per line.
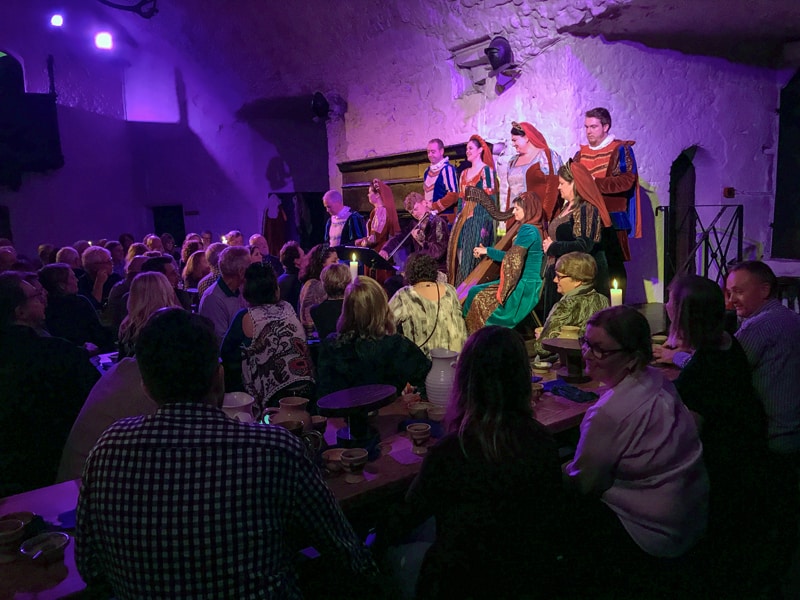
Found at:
<point>386,477</point>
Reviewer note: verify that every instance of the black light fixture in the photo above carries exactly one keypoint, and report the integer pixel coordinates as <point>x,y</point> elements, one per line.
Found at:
<point>500,55</point>
<point>146,9</point>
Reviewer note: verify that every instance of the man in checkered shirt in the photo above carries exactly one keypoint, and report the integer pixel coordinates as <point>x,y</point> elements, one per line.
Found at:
<point>187,503</point>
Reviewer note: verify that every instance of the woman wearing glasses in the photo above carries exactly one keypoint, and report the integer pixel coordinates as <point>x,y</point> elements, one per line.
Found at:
<point>640,454</point>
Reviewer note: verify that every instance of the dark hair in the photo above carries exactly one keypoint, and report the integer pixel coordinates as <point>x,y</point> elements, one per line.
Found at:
<point>290,252</point>
<point>314,261</point>
<point>601,114</point>
<point>126,237</point>
<point>157,264</point>
<point>517,130</point>
<point>699,311</point>
<point>421,267</point>
<point>492,391</point>
<point>260,285</point>
<point>760,271</point>
<point>438,142</point>
<point>12,296</point>
<point>335,279</point>
<point>628,327</point>
<point>190,247</point>
<point>177,353</point>
<point>53,277</point>
<point>565,172</point>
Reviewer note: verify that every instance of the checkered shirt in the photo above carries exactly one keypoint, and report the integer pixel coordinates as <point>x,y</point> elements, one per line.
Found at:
<point>187,503</point>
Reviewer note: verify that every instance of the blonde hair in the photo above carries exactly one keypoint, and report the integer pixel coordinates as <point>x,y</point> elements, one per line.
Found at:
<point>365,310</point>
<point>150,292</point>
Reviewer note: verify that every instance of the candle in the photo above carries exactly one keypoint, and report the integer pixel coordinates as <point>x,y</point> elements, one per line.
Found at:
<point>353,267</point>
<point>616,295</point>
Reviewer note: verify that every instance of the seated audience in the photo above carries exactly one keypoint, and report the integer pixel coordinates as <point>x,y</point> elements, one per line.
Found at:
<point>69,256</point>
<point>223,299</point>
<point>335,279</point>
<point>289,282</point>
<point>189,247</point>
<point>153,243</point>
<point>44,381</point>
<point>149,292</point>
<point>126,239</point>
<point>98,277</point>
<point>234,238</point>
<point>313,292</point>
<point>136,249</point>
<point>117,395</point>
<point>46,254</point>
<point>81,246</point>
<point>234,501</point>
<point>196,268</point>
<point>366,349</point>
<point>8,256</point>
<point>168,244</point>
<point>639,460</point>
<point>426,311</point>
<point>117,257</point>
<point>207,238</point>
<point>260,242</point>
<point>481,482</point>
<point>166,266</point>
<point>716,383</point>
<point>574,277</point>
<point>212,256</point>
<point>264,351</point>
<point>117,307</point>
<point>69,315</point>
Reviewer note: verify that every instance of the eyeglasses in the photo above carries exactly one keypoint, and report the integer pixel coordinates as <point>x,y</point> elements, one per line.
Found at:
<point>598,353</point>
<point>558,277</point>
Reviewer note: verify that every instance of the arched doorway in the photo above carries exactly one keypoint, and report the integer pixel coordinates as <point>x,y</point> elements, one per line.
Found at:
<point>12,79</point>
<point>682,226</point>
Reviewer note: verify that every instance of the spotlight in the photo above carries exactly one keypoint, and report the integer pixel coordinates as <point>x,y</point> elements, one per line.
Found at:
<point>104,41</point>
<point>56,20</point>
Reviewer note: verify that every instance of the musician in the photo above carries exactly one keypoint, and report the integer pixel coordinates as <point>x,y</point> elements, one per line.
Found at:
<point>382,223</point>
<point>474,225</point>
<point>508,301</point>
<point>428,236</point>
<point>533,169</point>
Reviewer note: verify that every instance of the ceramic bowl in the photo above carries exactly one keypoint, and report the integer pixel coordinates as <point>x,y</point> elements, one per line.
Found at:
<point>239,406</point>
<point>319,423</point>
<point>437,413</point>
<point>419,434</point>
<point>541,367</point>
<point>333,459</point>
<point>353,461</point>
<point>419,410</point>
<point>45,548</point>
<point>11,532</point>
<point>659,340</point>
<point>569,332</point>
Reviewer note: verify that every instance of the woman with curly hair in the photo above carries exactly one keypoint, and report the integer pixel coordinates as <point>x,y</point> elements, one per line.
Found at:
<point>313,292</point>
<point>196,268</point>
<point>150,292</point>
<point>366,348</point>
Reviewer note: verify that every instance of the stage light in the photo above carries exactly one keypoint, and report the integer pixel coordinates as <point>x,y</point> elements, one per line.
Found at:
<point>104,41</point>
<point>56,20</point>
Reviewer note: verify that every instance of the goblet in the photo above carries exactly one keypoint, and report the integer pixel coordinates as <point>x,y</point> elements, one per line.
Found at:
<point>353,461</point>
<point>419,434</point>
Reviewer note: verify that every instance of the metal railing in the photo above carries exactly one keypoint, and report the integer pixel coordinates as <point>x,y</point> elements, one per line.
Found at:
<point>713,249</point>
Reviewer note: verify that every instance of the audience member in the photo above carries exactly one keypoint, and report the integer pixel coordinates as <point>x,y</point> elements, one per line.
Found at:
<point>149,292</point>
<point>427,311</point>
<point>69,315</point>
<point>68,255</point>
<point>207,237</point>
<point>574,277</point>
<point>234,238</point>
<point>126,239</point>
<point>153,242</point>
<point>136,249</point>
<point>166,266</point>
<point>313,292</point>
<point>117,307</point>
<point>639,460</point>
<point>260,242</point>
<point>81,246</point>
<point>98,279</point>
<point>44,381</point>
<point>223,299</point>
<point>265,347</point>
<point>258,478</point>
<point>289,283</point>
<point>196,268</point>
<point>117,257</point>
<point>168,244</point>
<point>480,482</point>
<point>212,256</point>
<point>189,247</point>
<point>46,254</point>
<point>335,279</point>
<point>8,256</point>
<point>366,348</point>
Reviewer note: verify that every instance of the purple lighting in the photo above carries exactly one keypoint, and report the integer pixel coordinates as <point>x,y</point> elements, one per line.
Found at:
<point>56,20</point>
<point>103,40</point>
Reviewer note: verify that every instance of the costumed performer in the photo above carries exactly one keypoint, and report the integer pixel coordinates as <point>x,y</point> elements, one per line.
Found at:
<point>440,182</point>
<point>474,225</point>
<point>508,301</point>
<point>576,227</point>
<point>382,223</point>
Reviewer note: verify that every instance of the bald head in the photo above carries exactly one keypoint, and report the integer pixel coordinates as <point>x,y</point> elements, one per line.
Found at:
<point>333,202</point>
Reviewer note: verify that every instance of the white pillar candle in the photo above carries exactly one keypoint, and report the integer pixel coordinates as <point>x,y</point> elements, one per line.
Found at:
<point>616,295</point>
<point>353,267</point>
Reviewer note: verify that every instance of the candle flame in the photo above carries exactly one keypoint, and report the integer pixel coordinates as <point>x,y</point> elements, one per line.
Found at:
<point>615,284</point>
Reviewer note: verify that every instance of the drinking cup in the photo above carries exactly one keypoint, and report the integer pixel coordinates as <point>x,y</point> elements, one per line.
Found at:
<point>353,461</point>
<point>419,433</point>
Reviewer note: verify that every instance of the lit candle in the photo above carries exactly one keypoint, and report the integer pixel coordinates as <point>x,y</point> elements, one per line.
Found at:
<point>353,267</point>
<point>616,295</point>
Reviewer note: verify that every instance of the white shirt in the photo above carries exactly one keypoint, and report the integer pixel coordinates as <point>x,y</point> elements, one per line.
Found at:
<point>337,225</point>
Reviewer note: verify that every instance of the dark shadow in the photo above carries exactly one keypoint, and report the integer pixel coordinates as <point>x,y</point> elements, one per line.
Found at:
<point>786,221</point>
<point>681,230</point>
